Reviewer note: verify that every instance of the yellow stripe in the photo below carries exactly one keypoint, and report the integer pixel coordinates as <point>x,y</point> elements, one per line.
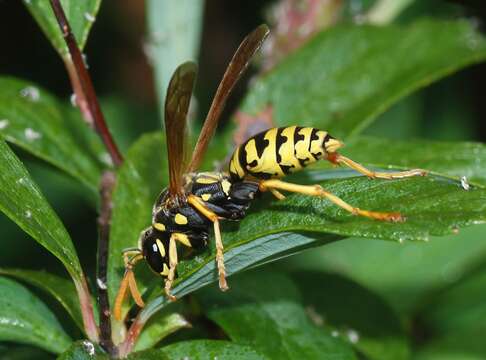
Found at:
<point>161,247</point>
<point>159,226</point>
<point>267,163</point>
<point>287,150</point>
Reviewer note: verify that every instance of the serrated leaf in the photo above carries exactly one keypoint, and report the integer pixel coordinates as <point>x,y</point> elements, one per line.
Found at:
<point>25,319</point>
<point>84,350</point>
<point>80,14</point>
<point>201,350</point>
<point>61,289</point>
<point>351,74</point>
<point>22,201</point>
<point>358,316</point>
<point>433,205</point>
<point>34,120</point>
<point>265,310</point>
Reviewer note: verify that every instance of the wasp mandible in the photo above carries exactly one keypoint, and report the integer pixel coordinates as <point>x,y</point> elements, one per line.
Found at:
<point>196,201</point>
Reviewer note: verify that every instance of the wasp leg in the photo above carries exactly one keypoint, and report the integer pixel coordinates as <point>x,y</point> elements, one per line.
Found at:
<point>210,215</point>
<point>277,194</point>
<point>339,159</point>
<point>128,282</point>
<point>173,261</point>
<point>317,190</point>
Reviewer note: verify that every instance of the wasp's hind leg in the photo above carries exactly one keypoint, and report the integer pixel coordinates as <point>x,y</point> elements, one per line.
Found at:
<point>198,204</point>
<point>130,258</point>
<point>336,158</point>
<point>317,190</point>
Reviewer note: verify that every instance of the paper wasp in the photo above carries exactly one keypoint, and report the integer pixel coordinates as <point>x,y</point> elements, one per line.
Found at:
<point>196,201</point>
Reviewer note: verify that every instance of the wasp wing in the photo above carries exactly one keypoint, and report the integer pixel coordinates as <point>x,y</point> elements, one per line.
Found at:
<point>236,67</point>
<point>177,102</point>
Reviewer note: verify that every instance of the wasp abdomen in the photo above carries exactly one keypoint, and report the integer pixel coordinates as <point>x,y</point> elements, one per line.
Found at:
<point>279,151</point>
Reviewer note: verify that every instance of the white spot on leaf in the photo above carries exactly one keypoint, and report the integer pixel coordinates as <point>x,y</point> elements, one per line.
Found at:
<point>3,124</point>
<point>464,183</point>
<point>101,284</point>
<point>89,17</point>
<point>31,93</point>
<point>28,214</point>
<point>353,336</point>
<point>31,135</point>
<point>89,347</point>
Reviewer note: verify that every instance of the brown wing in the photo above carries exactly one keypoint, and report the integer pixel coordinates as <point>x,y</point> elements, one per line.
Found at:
<point>236,67</point>
<point>177,102</point>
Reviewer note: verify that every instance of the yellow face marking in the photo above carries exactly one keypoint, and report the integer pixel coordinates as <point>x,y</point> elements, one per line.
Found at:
<point>226,186</point>
<point>159,226</point>
<point>267,163</point>
<point>206,197</point>
<point>182,238</point>
<point>180,219</point>
<point>165,270</point>
<point>161,247</point>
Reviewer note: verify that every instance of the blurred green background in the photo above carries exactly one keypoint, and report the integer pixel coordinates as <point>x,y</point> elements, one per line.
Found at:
<point>452,109</point>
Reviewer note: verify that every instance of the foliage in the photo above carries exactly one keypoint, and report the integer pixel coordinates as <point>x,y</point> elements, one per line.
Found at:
<point>342,80</point>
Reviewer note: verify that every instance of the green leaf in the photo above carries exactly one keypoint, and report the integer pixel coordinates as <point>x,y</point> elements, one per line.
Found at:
<point>80,14</point>
<point>461,345</point>
<point>451,158</point>
<point>201,350</point>
<point>174,32</point>
<point>22,201</point>
<point>25,319</point>
<point>265,310</point>
<point>61,289</point>
<point>351,74</point>
<point>140,179</point>
<point>84,350</point>
<point>160,326</point>
<point>458,308</point>
<point>35,121</point>
<point>358,315</point>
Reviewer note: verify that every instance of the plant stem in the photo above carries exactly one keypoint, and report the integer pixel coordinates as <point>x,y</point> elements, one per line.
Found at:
<point>106,188</point>
<point>86,306</point>
<point>83,87</point>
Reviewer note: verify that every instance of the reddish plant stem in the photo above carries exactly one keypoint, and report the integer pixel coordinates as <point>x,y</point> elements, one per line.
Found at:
<point>83,87</point>
<point>86,309</point>
<point>106,189</point>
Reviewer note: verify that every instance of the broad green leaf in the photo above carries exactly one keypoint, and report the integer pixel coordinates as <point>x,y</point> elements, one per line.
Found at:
<point>160,326</point>
<point>80,14</point>
<point>174,32</point>
<point>61,289</point>
<point>346,76</point>
<point>433,205</point>
<point>84,350</point>
<point>201,350</point>
<point>357,315</point>
<point>458,308</point>
<point>22,201</point>
<point>462,345</point>
<point>451,158</point>
<point>25,319</point>
<point>265,310</point>
<point>34,120</point>
<point>140,179</point>
<point>23,352</point>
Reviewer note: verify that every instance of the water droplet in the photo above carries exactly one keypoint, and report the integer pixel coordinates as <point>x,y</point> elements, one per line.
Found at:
<point>73,100</point>
<point>31,93</point>
<point>101,284</point>
<point>3,124</point>
<point>31,135</point>
<point>464,183</point>
<point>89,17</point>
<point>353,336</point>
<point>89,347</point>
<point>28,214</point>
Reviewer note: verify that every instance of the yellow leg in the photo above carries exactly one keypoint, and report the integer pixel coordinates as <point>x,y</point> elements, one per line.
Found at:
<point>277,194</point>
<point>338,158</point>
<point>173,261</point>
<point>317,190</point>
<point>198,204</point>
<point>128,283</point>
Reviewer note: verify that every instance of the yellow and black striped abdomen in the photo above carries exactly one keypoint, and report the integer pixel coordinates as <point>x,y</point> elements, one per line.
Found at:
<point>279,151</point>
